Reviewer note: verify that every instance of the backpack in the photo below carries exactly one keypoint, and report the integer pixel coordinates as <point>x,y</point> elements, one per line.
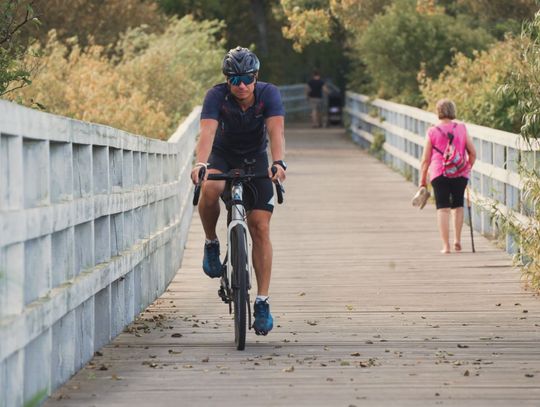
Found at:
<point>454,163</point>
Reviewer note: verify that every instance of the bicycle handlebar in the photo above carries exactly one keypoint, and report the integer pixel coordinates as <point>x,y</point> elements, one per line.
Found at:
<point>236,174</point>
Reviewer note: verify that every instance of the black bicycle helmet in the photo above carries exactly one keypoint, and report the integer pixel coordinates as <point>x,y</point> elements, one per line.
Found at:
<point>240,61</point>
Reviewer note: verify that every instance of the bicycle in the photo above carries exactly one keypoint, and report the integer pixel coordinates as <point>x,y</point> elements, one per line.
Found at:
<point>236,273</point>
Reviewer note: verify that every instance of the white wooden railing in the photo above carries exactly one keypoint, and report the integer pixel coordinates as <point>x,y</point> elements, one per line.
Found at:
<point>495,180</point>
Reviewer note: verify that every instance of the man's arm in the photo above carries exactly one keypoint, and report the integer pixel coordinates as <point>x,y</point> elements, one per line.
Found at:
<point>276,133</point>
<point>207,133</point>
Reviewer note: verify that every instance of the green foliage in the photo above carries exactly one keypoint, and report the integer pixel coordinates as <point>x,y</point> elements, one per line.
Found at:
<point>199,9</point>
<point>95,21</point>
<point>474,85</point>
<point>155,81</point>
<point>187,57</point>
<point>527,235</point>
<point>15,17</point>
<point>499,17</point>
<point>37,399</point>
<point>377,145</point>
<point>524,84</point>
<point>402,41</point>
<point>280,64</point>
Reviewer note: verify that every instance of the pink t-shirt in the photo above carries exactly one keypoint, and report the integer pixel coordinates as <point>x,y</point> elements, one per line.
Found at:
<point>440,140</point>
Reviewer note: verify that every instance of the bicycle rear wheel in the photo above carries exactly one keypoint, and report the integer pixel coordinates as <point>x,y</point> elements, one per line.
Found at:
<point>239,284</point>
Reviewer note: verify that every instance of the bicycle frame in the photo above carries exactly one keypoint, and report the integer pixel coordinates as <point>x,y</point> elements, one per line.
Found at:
<point>238,217</point>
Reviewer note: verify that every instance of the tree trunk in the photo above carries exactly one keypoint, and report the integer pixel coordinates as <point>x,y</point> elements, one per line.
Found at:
<point>259,18</point>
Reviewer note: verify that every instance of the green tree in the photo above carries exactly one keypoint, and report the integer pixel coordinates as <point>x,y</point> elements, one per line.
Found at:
<point>400,43</point>
<point>254,23</point>
<point>524,85</point>
<point>15,17</point>
<point>499,16</point>
<point>96,21</point>
<point>154,80</point>
<point>474,85</point>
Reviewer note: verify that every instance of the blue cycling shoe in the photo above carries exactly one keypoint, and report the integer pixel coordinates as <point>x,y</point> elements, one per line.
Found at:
<point>211,263</point>
<point>263,319</point>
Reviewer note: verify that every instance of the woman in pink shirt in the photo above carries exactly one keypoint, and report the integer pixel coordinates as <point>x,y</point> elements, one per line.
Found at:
<point>449,192</point>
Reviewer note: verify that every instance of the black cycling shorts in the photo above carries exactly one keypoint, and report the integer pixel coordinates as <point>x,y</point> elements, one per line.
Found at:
<point>449,191</point>
<point>258,194</point>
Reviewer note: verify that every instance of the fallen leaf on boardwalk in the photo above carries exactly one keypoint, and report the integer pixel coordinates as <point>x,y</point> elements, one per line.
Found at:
<point>369,342</point>
<point>302,294</point>
<point>498,304</point>
<point>344,363</point>
<point>467,373</point>
<point>187,366</point>
<point>103,367</point>
<point>329,379</point>
<point>312,323</point>
<point>174,352</point>
<point>289,369</point>
<point>350,307</point>
<point>153,356</point>
<point>459,345</point>
<point>115,377</point>
<point>176,335</point>
<point>205,360</point>
<point>529,375</point>
<point>368,363</point>
<point>355,354</point>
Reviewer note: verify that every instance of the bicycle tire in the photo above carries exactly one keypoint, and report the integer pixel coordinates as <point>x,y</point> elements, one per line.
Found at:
<point>239,284</point>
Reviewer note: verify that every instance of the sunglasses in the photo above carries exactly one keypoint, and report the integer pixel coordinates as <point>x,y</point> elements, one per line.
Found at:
<point>245,79</point>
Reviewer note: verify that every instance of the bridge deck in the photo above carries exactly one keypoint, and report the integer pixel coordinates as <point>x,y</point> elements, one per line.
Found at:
<point>367,310</point>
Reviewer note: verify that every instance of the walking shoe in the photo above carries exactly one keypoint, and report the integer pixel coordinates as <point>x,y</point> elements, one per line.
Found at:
<point>263,319</point>
<point>211,263</point>
<point>421,197</point>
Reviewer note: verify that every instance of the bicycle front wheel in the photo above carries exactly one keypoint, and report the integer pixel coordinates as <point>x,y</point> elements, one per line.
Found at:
<point>239,284</point>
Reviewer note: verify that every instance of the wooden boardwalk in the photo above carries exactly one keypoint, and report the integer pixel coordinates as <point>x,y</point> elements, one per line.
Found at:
<point>368,312</point>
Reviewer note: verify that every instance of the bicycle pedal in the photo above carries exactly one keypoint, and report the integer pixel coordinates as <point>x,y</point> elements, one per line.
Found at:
<point>223,295</point>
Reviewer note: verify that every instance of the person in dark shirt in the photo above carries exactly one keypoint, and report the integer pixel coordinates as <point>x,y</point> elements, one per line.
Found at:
<point>238,117</point>
<point>315,90</point>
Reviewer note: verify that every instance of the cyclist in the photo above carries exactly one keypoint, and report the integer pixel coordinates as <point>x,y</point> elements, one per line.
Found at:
<point>238,117</point>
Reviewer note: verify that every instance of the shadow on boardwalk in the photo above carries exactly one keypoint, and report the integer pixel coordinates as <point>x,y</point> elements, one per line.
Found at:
<point>368,312</point>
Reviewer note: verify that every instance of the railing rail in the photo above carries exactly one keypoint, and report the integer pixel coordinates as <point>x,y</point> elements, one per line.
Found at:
<point>294,98</point>
<point>495,179</point>
<point>93,222</point>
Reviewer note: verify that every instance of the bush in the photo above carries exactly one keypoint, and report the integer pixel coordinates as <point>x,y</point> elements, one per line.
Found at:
<point>16,17</point>
<point>474,85</point>
<point>147,90</point>
<point>402,41</point>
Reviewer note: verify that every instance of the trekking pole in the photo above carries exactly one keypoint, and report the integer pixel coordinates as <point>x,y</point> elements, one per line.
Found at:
<point>470,218</point>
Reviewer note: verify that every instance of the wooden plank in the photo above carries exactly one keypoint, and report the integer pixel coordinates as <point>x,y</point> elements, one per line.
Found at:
<point>367,311</point>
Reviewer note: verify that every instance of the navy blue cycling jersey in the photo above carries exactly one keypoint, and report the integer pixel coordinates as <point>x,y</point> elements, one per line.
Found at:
<point>241,132</point>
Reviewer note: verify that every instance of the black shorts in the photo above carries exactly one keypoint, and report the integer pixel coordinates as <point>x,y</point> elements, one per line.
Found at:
<point>258,194</point>
<point>449,191</point>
